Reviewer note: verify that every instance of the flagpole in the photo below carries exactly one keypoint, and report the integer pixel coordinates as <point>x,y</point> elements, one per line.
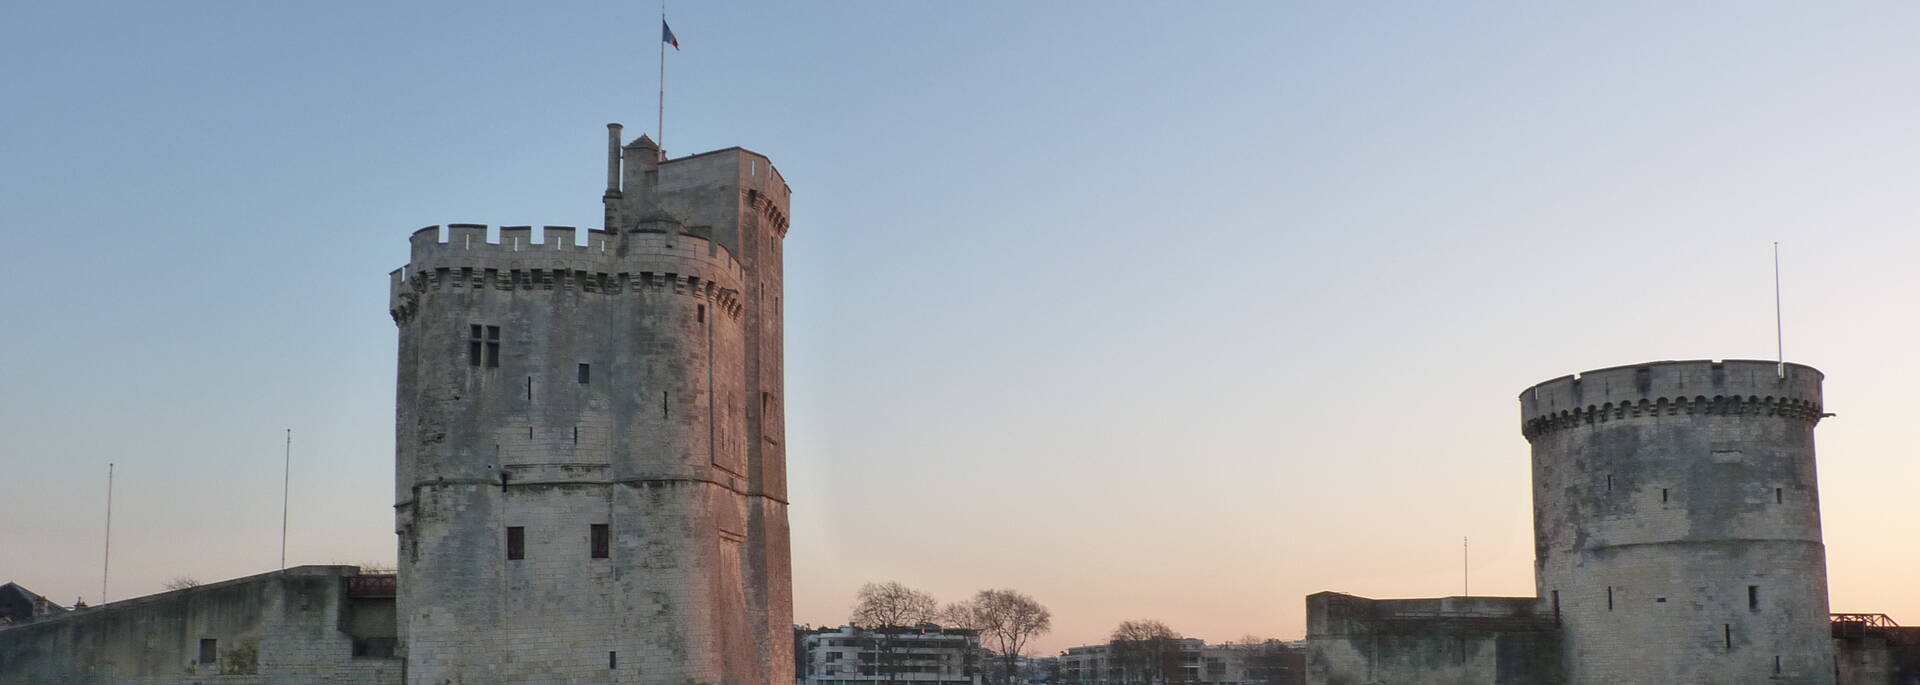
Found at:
<point>660,125</point>
<point>286,487</point>
<point>1779,329</point>
<point>106,557</point>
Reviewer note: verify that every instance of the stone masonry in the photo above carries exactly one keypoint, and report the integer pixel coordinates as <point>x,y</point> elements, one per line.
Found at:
<point>1677,540</point>
<point>590,459</point>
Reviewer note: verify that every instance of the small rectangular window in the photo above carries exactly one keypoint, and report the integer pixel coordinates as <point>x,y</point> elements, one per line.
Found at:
<point>576,435</point>
<point>1776,664</point>
<point>529,388</point>
<point>476,342</point>
<point>493,347</point>
<point>1779,496</point>
<point>600,540</point>
<point>1753,598</point>
<point>516,542</point>
<point>586,373</point>
<point>1556,606</point>
<point>613,660</point>
<point>209,650</point>
<point>701,313</point>
<point>1609,482</point>
<point>1609,598</point>
<point>1663,494</point>
<point>1728,627</point>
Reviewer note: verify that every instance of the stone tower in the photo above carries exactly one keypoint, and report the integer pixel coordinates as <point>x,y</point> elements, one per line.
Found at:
<point>1677,522</point>
<point>590,457</point>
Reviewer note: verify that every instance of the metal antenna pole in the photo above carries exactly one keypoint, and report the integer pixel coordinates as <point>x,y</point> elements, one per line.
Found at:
<point>106,558</point>
<point>1779,330</point>
<point>286,487</point>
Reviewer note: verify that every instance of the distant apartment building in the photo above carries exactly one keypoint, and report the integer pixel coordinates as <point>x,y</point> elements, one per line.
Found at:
<point>1193,662</point>
<point>850,655</point>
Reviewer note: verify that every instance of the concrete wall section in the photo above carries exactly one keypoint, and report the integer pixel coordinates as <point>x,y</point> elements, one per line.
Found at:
<point>286,628</point>
<point>1447,641</point>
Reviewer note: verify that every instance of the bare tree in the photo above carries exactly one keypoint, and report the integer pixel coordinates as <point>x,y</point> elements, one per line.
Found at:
<point>180,583</point>
<point>1146,649</point>
<point>1007,619</point>
<point>890,604</point>
<point>888,608</point>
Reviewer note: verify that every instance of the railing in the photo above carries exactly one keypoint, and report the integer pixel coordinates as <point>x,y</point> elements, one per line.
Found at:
<point>373,585</point>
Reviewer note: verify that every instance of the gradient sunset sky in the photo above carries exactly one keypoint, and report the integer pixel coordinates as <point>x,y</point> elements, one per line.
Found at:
<point>1150,310</point>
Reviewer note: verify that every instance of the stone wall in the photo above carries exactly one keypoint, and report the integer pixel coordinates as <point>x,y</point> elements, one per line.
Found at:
<point>1877,656</point>
<point>1446,641</point>
<point>631,383</point>
<point>1677,521</point>
<point>295,627</point>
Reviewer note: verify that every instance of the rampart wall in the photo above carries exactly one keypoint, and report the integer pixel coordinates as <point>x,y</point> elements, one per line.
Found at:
<point>296,627</point>
<point>1444,641</point>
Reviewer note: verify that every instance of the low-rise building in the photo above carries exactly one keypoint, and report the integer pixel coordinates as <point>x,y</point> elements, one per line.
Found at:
<point>1192,661</point>
<point>850,655</point>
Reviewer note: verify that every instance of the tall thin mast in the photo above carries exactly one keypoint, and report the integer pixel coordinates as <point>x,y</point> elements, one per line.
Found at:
<point>1779,330</point>
<point>106,558</point>
<point>286,487</point>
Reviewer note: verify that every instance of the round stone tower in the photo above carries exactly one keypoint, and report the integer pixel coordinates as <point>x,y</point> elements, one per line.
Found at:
<point>590,473</point>
<point>1677,522</point>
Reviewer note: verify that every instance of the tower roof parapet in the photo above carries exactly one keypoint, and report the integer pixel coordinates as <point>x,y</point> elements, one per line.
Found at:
<point>674,258</point>
<point>1733,386</point>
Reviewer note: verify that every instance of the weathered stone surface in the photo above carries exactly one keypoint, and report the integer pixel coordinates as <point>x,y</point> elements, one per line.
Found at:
<point>296,627</point>
<point>636,383</point>
<point>1677,540</point>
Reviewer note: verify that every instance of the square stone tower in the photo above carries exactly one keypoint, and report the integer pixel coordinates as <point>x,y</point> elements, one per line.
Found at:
<point>590,459</point>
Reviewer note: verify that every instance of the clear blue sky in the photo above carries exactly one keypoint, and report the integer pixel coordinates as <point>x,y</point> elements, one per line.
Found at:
<point>1176,311</point>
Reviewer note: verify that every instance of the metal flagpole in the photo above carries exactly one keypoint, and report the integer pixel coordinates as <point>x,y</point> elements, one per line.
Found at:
<point>286,487</point>
<point>1464,588</point>
<point>660,125</point>
<point>107,557</point>
<point>1779,331</point>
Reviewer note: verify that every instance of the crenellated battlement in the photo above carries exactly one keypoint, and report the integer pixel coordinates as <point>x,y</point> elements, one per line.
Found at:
<point>684,263</point>
<point>1672,388</point>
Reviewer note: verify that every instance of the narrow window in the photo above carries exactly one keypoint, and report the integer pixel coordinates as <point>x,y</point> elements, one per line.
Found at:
<point>516,542</point>
<point>1728,627</point>
<point>1609,598</point>
<point>1609,482</point>
<point>663,404</point>
<point>1779,496</point>
<point>613,660</point>
<point>586,373</point>
<point>474,343</point>
<point>576,435</point>
<point>1753,598</point>
<point>529,388</point>
<point>599,535</point>
<point>493,347</point>
<point>209,650</point>
<point>1556,606</point>
<point>529,432</point>
<point>1663,495</point>
<point>1776,664</point>
<point>701,313</point>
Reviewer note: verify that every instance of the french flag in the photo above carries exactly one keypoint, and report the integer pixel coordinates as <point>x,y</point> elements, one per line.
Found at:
<point>666,35</point>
